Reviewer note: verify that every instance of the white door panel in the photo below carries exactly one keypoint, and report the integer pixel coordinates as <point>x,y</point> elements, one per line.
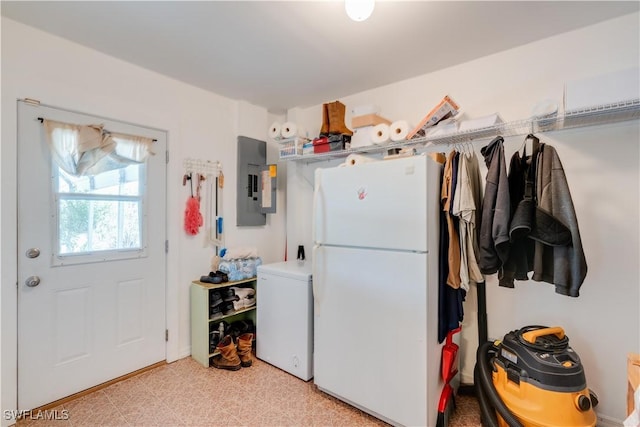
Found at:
<point>100,314</point>
<point>377,205</point>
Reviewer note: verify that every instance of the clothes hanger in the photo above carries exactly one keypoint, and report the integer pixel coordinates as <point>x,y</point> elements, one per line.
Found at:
<point>535,141</point>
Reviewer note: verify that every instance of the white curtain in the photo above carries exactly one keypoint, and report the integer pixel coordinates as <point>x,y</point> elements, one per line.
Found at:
<point>83,150</point>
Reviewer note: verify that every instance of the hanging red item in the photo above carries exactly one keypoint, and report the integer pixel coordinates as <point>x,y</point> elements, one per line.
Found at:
<point>192,217</point>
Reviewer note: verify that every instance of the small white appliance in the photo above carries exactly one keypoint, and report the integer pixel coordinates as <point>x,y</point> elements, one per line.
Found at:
<point>375,286</point>
<point>284,323</point>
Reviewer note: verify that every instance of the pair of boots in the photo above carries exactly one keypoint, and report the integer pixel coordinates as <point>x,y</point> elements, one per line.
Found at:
<point>232,358</point>
<point>333,120</point>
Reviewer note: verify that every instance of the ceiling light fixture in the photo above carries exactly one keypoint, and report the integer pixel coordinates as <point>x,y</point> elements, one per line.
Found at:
<point>359,10</point>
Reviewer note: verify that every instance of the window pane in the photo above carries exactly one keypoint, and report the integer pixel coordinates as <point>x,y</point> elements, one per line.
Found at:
<point>87,225</point>
<point>117,182</point>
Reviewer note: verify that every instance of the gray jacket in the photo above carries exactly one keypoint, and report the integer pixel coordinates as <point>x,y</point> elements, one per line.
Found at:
<point>496,211</point>
<point>563,266</point>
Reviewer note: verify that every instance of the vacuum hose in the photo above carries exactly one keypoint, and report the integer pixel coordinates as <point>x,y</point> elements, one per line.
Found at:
<point>488,397</point>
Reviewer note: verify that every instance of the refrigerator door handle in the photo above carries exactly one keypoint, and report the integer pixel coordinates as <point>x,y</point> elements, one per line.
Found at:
<point>314,281</point>
<point>317,218</point>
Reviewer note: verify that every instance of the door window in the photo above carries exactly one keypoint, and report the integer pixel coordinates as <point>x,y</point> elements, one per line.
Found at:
<point>99,217</point>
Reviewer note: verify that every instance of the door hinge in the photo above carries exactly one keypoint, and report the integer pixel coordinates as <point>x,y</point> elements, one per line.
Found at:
<point>166,335</point>
<point>166,246</point>
<point>167,156</point>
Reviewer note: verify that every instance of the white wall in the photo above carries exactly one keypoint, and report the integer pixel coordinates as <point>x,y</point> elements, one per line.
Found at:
<point>603,169</point>
<point>200,124</point>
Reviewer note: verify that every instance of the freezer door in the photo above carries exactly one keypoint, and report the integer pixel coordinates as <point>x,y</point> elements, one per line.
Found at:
<point>377,205</point>
<point>284,324</point>
<point>375,332</point>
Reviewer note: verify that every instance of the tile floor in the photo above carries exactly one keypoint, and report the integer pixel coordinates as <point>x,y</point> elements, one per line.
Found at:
<point>185,393</point>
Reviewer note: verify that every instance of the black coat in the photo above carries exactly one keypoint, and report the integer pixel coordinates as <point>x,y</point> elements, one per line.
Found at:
<point>496,211</point>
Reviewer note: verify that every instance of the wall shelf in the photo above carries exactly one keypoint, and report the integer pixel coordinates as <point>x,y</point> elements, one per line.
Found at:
<point>596,115</point>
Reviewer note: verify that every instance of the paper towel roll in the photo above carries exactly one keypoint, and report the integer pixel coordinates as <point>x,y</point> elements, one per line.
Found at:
<point>274,130</point>
<point>399,130</point>
<point>380,134</point>
<point>358,159</point>
<point>290,129</point>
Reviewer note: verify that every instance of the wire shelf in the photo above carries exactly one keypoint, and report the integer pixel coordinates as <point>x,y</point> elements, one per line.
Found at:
<point>591,116</point>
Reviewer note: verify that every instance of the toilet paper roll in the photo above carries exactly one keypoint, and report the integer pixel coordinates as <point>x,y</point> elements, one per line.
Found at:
<point>380,134</point>
<point>399,130</point>
<point>358,159</point>
<point>274,130</point>
<point>290,129</point>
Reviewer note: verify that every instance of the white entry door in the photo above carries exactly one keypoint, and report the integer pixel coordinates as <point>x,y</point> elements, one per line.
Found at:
<point>91,264</point>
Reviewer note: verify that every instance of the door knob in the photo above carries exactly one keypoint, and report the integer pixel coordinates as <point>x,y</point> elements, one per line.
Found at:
<point>33,253</point>
<point>32,281</point>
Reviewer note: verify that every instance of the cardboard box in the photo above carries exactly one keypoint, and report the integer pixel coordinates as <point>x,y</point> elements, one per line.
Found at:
<point>445,109</point>
<point>361,137</point>
<point>368,120</point>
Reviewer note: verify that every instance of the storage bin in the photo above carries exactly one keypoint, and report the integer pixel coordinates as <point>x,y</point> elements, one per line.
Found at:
<point>291,148</point>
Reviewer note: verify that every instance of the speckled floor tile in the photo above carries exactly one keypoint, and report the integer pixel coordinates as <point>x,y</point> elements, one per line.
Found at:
<point>185,393</point>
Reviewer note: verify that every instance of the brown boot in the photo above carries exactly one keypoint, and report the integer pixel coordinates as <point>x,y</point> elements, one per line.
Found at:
<point>228,357</point>
<point>244,349</point>
<point>324,129</point>
<point>336,119</point>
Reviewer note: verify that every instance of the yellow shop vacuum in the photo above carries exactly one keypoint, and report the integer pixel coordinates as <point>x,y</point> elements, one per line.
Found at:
<point>533,378</point>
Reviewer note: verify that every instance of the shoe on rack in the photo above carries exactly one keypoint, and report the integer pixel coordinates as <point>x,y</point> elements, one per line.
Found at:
<point>227,308</point>
<point>208,279</point>
<point>336,111</point>
<point>215,298</point>
<point>214,339</point>
<point>215,312</point>
<point>228,357</point>
<point>225,277</point>
<point>324,128</point>
<point>221,274</point>
<point>222,331</point>
<point>228,294</point>
<point>249,301</point>
<point>243,292</point>
<point>238,304</point>
<point>244,349</point>
<point>240,327</point>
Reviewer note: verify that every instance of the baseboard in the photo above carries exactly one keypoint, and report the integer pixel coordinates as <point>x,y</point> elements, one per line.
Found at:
<point>605,421</point>
<point>185,352</point>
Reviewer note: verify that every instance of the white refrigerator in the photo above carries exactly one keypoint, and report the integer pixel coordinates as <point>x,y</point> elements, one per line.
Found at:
<point>375,287</point>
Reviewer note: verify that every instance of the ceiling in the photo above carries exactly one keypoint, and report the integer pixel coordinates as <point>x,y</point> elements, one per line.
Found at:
<point>284,54</point>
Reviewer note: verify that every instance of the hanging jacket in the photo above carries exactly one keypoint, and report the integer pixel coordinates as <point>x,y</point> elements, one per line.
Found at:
<point>521,251</point>
<point>466,206</point>
<point>453,278</point>
<point>496,210</point>
<point>450,309</point>
<point>565,266</point>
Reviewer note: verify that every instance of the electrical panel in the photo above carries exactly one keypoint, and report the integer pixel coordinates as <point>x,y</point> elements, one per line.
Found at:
<point>256,191</point>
